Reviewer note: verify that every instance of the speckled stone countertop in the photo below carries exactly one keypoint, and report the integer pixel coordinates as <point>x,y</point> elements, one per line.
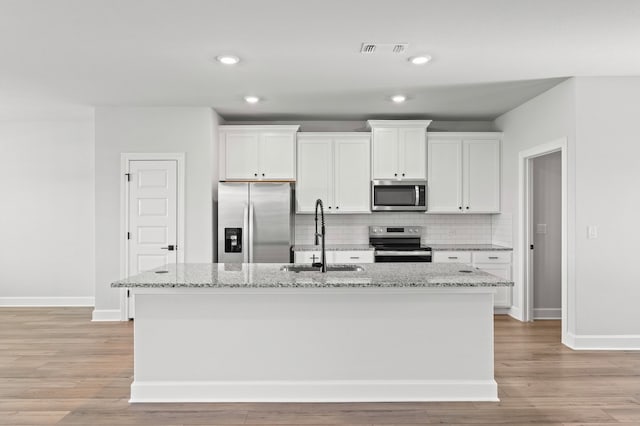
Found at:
<point>333,247</point>
<point>468,247</point>
<point>269,275</point>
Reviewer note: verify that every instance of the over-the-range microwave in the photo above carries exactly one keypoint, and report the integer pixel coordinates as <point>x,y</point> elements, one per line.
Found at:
<point>399,195</point>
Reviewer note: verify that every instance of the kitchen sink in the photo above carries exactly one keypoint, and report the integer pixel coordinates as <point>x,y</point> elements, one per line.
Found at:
<point>330,268</point>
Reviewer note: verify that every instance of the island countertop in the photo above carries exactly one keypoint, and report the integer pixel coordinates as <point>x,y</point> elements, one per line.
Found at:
<point>269,275</point>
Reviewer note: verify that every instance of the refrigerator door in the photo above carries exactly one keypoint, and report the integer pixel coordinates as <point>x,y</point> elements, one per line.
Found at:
<point>271,222</point>
<point>233,222</point>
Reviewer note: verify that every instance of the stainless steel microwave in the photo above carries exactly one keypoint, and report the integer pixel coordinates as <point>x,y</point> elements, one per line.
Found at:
<point>399,195</point>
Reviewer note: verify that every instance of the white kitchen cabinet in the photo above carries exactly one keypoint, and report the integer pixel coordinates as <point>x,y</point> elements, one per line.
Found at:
<point>334,167</point>
<point>257,153</point>
<point>464,172</point>
<point>333,256</point>
<point>452,257</point>
<point>497,263</point>
<point>399,149</point>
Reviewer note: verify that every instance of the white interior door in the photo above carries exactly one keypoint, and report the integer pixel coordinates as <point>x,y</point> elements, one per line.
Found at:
<point>152,218</point>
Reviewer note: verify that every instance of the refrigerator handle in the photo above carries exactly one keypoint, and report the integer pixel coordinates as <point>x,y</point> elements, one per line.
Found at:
<point>250,232</point>
<point>245,234</point>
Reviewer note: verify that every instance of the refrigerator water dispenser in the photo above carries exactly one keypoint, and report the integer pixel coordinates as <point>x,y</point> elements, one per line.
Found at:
<point>233,240</point>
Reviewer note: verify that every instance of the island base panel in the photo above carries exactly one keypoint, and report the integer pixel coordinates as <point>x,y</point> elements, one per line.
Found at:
<point>313,346</point>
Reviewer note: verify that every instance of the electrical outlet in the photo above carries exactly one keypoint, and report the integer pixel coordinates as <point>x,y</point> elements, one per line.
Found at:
<point>592,232</point>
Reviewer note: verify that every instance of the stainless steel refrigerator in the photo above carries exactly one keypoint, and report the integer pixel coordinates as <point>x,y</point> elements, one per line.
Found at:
<point>255,222</point>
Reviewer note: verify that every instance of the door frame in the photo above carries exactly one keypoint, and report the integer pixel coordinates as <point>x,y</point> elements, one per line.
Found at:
<point>525,229</point>
<point>125,158</point>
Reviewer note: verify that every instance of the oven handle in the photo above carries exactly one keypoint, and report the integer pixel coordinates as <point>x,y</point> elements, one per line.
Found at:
<point>401,253</point>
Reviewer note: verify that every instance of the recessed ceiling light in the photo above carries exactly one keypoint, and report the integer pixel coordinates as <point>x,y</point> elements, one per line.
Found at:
<point>228,59</point>
<point>420,60</point>
<point>399,99</point>
<point>252,99</point>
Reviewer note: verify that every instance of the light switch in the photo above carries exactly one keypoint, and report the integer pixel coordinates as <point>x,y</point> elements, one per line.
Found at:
<point>592,232</point>
<point>541,228</point>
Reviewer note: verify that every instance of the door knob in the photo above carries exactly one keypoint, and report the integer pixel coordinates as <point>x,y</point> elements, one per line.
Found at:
<point>170,247</point>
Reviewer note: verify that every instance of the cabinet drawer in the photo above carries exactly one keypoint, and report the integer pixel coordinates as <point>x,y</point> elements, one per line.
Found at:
<point>307,256</point>
<point>452,257</point>
<point>359,256</point>
<point>492,257</point>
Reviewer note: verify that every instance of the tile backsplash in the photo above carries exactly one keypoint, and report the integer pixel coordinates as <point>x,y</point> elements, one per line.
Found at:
<point>439,229</point>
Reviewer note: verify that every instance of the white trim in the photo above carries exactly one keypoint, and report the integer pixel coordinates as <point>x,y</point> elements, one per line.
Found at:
<point>125,158</point>
<point>314,391</point>
<point>524,213</point>
<point>260,127</point>
<point>106,315</point>
<point>466,135</point>
<point>398,123</point>
<point>47,301</point>
<point>547,313</point>
<point>501,311</point>
<point>516,313</point>
<point>614,342</point>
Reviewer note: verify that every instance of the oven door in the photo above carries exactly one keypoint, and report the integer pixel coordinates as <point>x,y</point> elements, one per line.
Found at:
<point>386,256</point>
<point>398,195</point>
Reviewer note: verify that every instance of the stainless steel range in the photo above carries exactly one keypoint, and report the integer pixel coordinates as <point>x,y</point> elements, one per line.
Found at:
<point>398,244</point>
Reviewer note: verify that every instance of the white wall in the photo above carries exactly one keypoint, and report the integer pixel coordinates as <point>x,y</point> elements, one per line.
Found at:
<point>171,129</point>
<point>547,222</point>
<point>607,195</point>
<point>47,215</point>
<point>598,116</point>
<point>543,119</point>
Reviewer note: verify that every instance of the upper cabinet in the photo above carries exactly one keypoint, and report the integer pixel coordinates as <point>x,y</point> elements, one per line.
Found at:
<point>464,172</point>
<point>399,149</point>
<point>257,152</point>
<point>334,167</point>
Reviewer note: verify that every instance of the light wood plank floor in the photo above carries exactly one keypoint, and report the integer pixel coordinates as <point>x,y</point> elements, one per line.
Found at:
<point>57,367</point>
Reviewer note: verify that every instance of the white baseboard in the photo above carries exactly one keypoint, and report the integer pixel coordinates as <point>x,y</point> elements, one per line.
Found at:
<point>501,311</point>
<point>516,313</point>
<point>315,391</point>
<point>547,313</point>
<point>620,342</point>
<point>106,315</point>
<point>46,301</point>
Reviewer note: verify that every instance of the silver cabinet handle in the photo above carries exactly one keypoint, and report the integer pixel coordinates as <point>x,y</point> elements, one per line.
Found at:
<point>354,257</point>
<point>493,257</point>
<point>453,257</point>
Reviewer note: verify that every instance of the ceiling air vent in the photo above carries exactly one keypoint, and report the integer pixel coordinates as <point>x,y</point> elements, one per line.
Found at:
<point>370,48</point>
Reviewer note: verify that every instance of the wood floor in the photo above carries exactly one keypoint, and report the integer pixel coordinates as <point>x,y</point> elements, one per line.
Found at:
<point>57,367</point>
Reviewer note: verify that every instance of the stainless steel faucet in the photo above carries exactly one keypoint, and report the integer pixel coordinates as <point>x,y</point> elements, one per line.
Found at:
<point>323,259</point>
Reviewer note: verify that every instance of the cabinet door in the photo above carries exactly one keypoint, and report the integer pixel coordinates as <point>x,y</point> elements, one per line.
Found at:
<point>412,143</point>
<point>445,176</point>
<point>355,256</point>
<point>481,176</point>
<point>277,156</point>
<point>502,298</point>
<point>352,177</point>
<point>451,257</point>
<point>315,173</point>
<point>241,160</point>
<point>307,256</point>
<point>385,153</point>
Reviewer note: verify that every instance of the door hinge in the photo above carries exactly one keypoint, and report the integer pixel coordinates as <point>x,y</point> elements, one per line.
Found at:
<point>128,175</point>
<point>531,246</point>
<point>128,235</point>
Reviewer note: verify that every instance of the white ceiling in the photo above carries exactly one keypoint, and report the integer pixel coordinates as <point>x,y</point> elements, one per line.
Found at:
<point>303,56</point>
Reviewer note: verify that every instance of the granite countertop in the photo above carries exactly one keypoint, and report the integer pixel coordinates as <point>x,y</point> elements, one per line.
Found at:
<point>468,247</point>
<point>269,275</point>
<point>333,247</point>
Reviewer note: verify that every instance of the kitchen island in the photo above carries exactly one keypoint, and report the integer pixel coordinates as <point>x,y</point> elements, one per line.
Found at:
<point>252,332</point>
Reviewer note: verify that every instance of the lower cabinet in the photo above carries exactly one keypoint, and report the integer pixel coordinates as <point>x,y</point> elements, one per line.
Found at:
<point>493,262</point>
<point>333,256</point>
